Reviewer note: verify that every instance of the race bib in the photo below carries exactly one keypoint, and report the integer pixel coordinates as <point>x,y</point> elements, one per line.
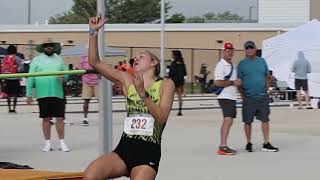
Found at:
<point>139,125</point>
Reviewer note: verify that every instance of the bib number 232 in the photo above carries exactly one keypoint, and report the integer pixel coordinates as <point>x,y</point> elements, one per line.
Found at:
<point>139,126</point>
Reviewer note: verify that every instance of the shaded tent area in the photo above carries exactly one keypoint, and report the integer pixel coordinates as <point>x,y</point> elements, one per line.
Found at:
<point>82,49</point>
<point>281,52</point>
<point>3,52</point>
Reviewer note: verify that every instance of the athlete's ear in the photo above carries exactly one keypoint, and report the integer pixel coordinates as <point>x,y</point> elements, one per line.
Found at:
<point>154,63</point>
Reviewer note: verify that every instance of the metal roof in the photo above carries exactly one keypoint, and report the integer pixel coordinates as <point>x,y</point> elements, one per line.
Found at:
<point>151,27</point>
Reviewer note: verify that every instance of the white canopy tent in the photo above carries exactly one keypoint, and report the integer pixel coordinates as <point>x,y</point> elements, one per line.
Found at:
<point>281,51</point>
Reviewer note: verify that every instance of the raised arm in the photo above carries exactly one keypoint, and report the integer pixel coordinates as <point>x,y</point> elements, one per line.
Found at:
<point>95,23</point>
<point>159,112</point>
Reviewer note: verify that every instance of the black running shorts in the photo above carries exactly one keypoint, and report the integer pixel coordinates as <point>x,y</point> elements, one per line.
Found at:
<point>12,87</point>
<point>51,107</point>
<point>136,152</point>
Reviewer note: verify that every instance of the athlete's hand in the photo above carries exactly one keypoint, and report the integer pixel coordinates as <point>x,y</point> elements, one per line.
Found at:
<point>97,22</point>
<point>139,83</point>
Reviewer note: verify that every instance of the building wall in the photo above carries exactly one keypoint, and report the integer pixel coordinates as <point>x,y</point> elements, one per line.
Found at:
<point>315,9</point>
<point>284,11</point>
<point>196,47</point>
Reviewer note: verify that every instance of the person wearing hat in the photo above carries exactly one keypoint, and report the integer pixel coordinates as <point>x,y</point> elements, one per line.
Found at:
<point>49,91</point>
<point>253,73</point>
<point>225,75</point>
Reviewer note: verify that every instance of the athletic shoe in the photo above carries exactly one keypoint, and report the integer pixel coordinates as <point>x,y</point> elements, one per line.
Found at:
<point>12,111</point>
<point>249,147</point>
<point>65,122</point>
<point>64,147</point>
<point>47,147</point>
<point>85,123</point>
<point>269,148</point>
<point>52,122</point>
<point>225,150</point>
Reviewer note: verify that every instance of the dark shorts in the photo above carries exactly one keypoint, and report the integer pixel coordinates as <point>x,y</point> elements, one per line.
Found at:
<point>12,87</point>
<point>301,83</point>
<point>51,107</point>
<point>258,108</point>
<point>178,83</point>
<point>137,152</point>
<point>228,107</point>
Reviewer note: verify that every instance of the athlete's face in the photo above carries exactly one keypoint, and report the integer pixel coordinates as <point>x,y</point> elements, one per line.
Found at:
<point>143,62</point>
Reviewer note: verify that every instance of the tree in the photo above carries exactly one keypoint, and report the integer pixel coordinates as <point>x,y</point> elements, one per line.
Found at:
<point>195,19</point>
<point>210,16</point>
<point>227,15</point>
<point>118,11</point>
<point>79,13</point>
<point>176,18</point>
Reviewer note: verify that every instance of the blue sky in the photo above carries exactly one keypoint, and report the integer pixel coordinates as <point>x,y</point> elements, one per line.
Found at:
<point>16,11</point>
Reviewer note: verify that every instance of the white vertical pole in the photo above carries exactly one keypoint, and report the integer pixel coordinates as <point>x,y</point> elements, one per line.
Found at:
<point>29,11</point>
<point>163,69</point>
<point>105,100</point>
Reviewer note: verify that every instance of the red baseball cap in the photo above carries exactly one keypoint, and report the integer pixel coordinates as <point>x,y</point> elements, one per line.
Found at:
<point>228,46</point>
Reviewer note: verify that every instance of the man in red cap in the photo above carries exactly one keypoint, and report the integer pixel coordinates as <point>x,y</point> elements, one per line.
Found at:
<point>226,76</point>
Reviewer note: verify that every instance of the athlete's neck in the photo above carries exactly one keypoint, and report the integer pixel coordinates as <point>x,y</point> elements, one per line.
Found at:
<point>148,80</point>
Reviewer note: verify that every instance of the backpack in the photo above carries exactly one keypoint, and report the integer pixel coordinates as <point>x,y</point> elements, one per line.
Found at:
<point>9,65</point>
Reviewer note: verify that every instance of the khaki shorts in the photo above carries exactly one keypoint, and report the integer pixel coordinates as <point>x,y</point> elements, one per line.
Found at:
<point>89,92</point>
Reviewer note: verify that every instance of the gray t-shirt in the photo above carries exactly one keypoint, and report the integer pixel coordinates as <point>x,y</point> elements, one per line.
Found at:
<point>301,68</point>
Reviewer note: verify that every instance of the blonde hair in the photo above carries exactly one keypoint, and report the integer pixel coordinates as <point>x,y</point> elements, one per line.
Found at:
<point>155,58</point>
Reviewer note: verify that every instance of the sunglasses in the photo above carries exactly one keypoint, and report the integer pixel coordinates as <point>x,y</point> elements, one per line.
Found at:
<point>249,47</point>
<point>48,45</point>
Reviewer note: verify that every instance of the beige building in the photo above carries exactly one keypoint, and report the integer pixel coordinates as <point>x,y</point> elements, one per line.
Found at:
<point>315,9</point>
<point>287,11</point>
<point>199,43</point>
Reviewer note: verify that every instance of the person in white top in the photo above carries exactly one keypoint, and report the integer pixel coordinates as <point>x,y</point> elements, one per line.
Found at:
<point>225,74</point>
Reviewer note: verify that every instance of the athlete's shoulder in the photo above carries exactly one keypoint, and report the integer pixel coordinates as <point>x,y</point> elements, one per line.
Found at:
<point>167,83</point>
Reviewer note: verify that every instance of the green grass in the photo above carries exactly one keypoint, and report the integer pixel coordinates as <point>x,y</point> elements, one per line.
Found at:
<point>196,88</point>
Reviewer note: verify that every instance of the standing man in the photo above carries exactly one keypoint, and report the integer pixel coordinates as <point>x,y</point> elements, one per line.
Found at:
<point>253,72</point>
<point>90,87</point>
<point>11,64</point>
<point>301,68</point>
<point>226,76</point>
<point>49,91</point>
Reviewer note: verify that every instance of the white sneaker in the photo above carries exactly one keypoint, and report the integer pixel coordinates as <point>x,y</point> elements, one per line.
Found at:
<point>47,147</point>
<point>64,147</point>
